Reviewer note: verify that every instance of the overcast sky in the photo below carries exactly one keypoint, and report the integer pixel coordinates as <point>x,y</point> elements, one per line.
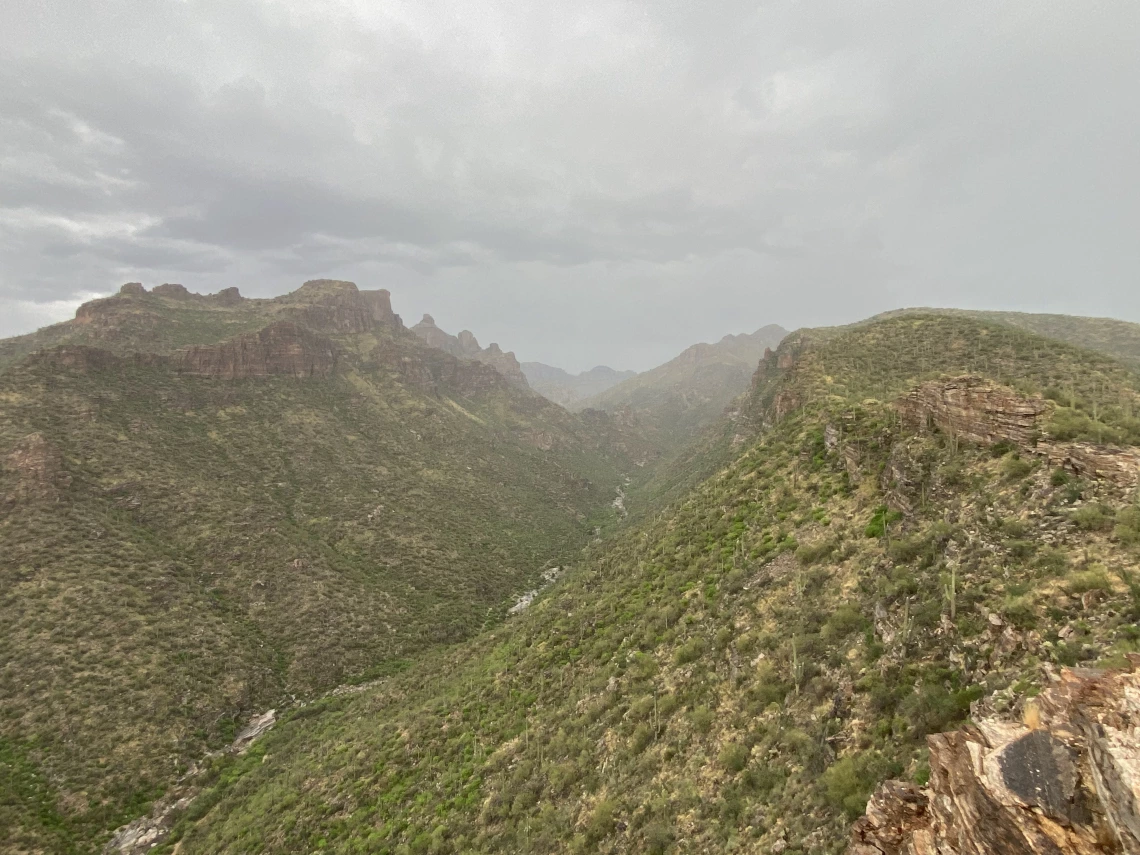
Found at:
<point>584,182</point>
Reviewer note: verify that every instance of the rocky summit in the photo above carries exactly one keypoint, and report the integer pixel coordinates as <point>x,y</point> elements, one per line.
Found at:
<point>465,346</point>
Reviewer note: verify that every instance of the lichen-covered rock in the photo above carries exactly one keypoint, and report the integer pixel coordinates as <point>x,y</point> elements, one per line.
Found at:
<point>280,349</point>
<point>1067,780</point>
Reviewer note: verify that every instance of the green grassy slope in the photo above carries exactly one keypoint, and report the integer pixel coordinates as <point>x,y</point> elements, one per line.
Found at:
<point>744,668</point>
<point>1118,339</point>
<point>177,552</point>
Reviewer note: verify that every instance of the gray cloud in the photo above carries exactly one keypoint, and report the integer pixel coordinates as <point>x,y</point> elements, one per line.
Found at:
<point>598,181</point>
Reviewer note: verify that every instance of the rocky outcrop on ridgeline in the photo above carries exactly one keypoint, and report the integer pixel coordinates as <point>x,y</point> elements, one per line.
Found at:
<point>379,304</point>
<point>466,346</point>
<point>280,349</point>
<point>980,411</point>
<point>974,409</point>
<point>1065,781</point>
<point>328,306</point>
<point>172,291</point>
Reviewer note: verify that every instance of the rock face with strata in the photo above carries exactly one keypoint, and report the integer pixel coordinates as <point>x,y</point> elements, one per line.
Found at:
<point>1065,781</point>
<point>974,409</point>
<point>466,346</point>
<point>983,412</point>
<point>1121,466</point>
<point>280,349</point>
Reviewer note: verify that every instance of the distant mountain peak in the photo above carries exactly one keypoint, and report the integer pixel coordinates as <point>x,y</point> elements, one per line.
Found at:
<point>568,389</point>
<point>466,346</point>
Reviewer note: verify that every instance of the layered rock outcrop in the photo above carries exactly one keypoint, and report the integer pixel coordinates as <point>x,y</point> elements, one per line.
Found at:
<point>973,409</point>
<point>1121,466</point>
<point>1067,780</point>
<point>466,346</point>
<point>980,411</point>
<point>281,349</point>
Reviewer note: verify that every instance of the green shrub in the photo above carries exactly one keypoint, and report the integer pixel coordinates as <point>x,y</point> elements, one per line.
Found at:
<point>658,838</point>
<point>1093,518</point>
<point>1093,579</point>
<point>850,781</point>
<point>813,553</point>
<point>691,651</point>
<point>734,757</point>
<point>844,621</point>
<point>702,718</point>
<point>932,708</point>
<point>1127,529</point>
<point>1014,468</point>
<point>882,518</point>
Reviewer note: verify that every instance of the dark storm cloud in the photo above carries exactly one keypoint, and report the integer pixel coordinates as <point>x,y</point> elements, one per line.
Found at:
<point>585,182</point>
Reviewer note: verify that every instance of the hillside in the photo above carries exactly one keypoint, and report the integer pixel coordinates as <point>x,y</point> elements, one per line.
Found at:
<point>568,389</point>
<point>1118,339</point>
<point>210,506</point>
<point>675,401</point>
<point>909,531</point>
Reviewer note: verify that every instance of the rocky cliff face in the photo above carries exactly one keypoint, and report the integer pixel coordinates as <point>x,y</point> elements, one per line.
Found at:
<point>281,349</point>
<point>329,306</point>
<point>466,346</point>
<point>1066,780</point>
<point>983,412</point>
<point>379,304</point>
<point>974,409</point>
<point>1121,466</point>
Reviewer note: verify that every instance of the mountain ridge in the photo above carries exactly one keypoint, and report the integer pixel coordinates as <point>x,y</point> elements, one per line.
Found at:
<point>568,389</point>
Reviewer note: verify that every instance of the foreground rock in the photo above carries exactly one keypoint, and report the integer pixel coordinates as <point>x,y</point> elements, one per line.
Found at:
<point>1067,780</point>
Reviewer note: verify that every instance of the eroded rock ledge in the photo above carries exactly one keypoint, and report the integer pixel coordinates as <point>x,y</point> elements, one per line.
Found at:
<point>1066,780</point>
<point>280,349</point>
<point>980,411</point>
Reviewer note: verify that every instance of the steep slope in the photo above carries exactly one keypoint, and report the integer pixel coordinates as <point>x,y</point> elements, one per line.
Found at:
<point>466,346</point>
<point>1115,338</point>
<point>739,672</point>
<point>568,389</point>
<point>193,532</point>
<point>674,401</point>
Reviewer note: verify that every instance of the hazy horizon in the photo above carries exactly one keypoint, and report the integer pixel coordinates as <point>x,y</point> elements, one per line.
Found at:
<point>601,183</point>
